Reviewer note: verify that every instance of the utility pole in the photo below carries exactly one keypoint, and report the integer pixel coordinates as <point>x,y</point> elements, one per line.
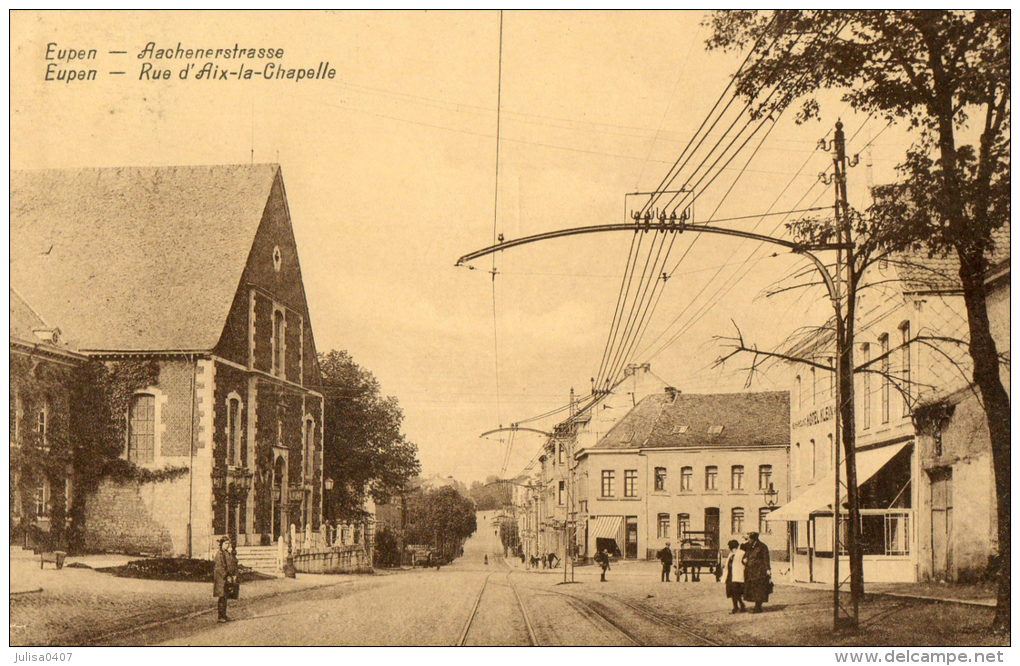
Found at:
<point>567,524</point>
<point>845,406</point>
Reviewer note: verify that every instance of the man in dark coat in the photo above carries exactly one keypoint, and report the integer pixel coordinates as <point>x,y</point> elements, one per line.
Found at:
<point>757,572</point>
<point>224,571</point>
<point>602,559</point>
<point>666,557</point>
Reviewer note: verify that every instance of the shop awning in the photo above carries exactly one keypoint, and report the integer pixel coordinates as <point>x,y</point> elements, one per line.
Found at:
<point>818,497</point>
<point>605,527</point>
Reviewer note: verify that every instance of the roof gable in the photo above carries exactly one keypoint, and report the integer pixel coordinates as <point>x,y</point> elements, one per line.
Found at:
<point>136,258</point>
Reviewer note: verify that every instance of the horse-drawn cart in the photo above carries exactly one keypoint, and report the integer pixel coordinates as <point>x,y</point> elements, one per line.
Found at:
<point>697,551</point>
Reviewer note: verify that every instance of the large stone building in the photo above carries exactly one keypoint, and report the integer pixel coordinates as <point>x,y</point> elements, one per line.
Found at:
<point>678,463</point>
<point>184,283</point>
<point>921,438</point>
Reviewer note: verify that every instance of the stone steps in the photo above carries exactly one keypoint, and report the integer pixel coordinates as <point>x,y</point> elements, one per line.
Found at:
<point>259,558</point>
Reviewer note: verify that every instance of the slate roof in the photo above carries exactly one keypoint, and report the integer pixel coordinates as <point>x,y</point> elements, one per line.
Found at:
<point>747,419</point>
<point>24,320</point>
<point>136,258</point>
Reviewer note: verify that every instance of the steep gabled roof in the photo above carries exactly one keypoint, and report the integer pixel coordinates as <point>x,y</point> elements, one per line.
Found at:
<point>746,419</point>
<point>139,258</point>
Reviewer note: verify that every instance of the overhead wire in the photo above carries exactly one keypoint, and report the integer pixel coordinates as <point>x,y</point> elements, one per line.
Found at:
<point>692,193</point>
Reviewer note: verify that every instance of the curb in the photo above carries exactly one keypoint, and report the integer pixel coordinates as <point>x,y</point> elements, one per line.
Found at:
<point>205,611</point>
<point>962,602</point>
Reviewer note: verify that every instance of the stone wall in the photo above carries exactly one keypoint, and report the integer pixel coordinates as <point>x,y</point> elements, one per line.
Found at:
<point>339,559</point>
<point>136,518</point>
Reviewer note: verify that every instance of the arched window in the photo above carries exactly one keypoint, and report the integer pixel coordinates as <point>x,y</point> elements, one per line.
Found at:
<point>142,428</point>
<point>866,392</point>
<point>309,448</point>
<point>234,454</point>
<point>663,526</point>
<point>279,330</point>
<point>814,386</point>
<point>660,478</point>
<point>798,390</point>
<point>814,459</point>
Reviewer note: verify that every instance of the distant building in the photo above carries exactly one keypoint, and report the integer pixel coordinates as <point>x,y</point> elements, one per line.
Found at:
<point>186,281</point>
<point>686,462</point>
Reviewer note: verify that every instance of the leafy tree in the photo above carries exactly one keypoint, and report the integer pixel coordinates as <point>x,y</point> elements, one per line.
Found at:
<point>946,74</point>
<point>442,518</point>
<point>494,494</point>
<point>364,450</point>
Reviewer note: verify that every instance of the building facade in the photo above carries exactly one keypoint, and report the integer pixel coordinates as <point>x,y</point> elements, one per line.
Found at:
<point>919,430</point>
<point>184,282</point>
<point>679,463</point>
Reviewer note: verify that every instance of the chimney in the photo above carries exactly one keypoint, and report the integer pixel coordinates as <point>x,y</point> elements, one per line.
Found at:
<point>672,392</point>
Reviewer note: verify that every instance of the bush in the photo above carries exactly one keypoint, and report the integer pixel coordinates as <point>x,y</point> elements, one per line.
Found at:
<point>176,569</point>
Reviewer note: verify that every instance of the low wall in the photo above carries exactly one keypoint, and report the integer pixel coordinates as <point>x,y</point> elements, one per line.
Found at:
<point>338,559</point>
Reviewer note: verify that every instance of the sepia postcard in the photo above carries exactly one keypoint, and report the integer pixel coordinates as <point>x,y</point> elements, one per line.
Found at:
<point>510,328</point>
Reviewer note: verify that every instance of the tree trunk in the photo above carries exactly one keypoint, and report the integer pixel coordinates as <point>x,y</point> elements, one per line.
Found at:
<point>971,252</point>
<point>985,358</point>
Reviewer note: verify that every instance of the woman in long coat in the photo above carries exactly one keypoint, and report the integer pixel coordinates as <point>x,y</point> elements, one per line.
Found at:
<point>757,572</point>
<point>224,570</point>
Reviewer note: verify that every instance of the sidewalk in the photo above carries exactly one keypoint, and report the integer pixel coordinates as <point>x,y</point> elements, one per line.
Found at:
<point>77,606</point>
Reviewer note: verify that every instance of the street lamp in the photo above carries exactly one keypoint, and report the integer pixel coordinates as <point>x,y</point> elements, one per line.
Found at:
<point>770,495</point>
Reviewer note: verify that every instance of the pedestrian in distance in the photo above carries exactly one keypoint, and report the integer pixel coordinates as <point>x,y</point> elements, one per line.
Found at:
<point>666,557</point>
<point>553,561</point>
<point>602,559</point>
<point>735,577</point>
<point>224,578</point>
<point>757,572</point>
<point>486,560</point>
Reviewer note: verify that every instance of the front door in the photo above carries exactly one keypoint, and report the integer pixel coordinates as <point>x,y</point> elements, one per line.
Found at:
<point>942,524</point>
<point>712,526</point>
<point>631,539</point>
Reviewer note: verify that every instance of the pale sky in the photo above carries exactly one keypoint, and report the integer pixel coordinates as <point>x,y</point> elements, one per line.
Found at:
<point>390,174</point>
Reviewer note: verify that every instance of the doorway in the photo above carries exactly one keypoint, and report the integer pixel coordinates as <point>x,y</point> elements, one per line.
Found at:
<point>630,545</point>
<point>712,527</point>
<point>279,512</point>
<point>942,524</point>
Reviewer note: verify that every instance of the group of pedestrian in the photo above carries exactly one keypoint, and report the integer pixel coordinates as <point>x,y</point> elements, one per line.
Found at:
<point>748,573</point>
<point>548,561</point>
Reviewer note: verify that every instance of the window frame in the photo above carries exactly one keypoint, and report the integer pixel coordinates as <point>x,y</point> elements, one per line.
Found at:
<point>905,368</point>
<point>131,451</point>
<point>763,524</point>
<point>886,385</point>
<point>279,360</point>
<point>737,477</point>
<point>608,483</point>
<point>662,526</point>
<point>686,479</point>
<point>712,472</point>
<point>763,478</point>
<point>660,479</point>
<point>737,518</point>
<point>630,483</point>
<point>683,525</point>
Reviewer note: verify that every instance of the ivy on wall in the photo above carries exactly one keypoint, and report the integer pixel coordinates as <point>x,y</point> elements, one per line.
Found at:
<point>85,436</point>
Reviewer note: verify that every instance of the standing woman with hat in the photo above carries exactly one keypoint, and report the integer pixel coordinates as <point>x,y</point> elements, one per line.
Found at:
<point>224,576</point>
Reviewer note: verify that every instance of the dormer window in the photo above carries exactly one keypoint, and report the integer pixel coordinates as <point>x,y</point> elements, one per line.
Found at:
<point>680,429</point>
<point>715,430</point>
<point>277,259</point>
